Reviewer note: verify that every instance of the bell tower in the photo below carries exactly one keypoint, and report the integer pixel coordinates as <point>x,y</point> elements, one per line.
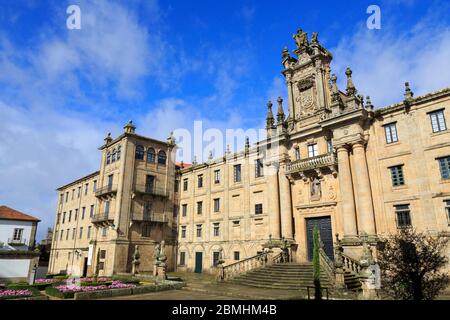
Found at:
<point>307,79</point>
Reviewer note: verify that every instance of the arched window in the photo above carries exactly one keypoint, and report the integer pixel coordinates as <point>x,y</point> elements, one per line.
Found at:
<point>108,158</point>
<point>118,152</point>
<point>139,152</point>
<point>113,156</point>
<point>151,155</point>
<point>162,158</point>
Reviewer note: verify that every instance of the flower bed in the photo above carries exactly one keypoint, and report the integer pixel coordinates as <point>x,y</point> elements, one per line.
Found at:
<point>67,292</point>
<point>14,294</point>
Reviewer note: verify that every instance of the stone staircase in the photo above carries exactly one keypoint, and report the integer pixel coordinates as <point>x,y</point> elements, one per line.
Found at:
<point>287,276</point>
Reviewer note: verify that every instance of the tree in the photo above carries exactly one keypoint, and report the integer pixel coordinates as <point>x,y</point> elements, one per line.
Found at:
<point>411,265</point>
<point>316,264</point>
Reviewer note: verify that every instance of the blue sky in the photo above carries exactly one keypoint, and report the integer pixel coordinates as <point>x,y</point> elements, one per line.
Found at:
<point>165,64</point>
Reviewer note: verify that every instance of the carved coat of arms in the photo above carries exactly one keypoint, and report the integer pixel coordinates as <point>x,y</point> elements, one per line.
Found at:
<point>305,96</point>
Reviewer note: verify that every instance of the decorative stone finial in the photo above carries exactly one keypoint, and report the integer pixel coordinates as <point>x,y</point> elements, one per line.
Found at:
<point>369,106</point>
<point>108,138</point>
<point>247,144</point>
<point>228,151</point>
<point>408,93</point>
<point>280,113</point>
<point>194,161</point>
<point>171,139</point>
<point>210,156</point>
<point>269,118</point>
<point>301,39</point>
<point>315,38</point>
<point>129,127</point>
<point>285,53</point>
<point>351,90</point>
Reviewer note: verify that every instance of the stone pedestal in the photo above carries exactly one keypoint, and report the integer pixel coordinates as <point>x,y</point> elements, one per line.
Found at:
<point>161,272</point>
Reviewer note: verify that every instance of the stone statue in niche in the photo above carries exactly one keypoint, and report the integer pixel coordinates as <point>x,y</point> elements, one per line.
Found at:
<point>316,187</point>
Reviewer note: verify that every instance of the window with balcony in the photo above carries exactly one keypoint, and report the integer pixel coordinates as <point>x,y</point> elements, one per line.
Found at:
<point>390,131</point>
<point>162,158</point>
<point>403,215</point>
<point>313,150</point>
<point>397,176</point>
<point>259,168</point>
<point>297,153</point>
<point>216,176</point>
<point>139,155</point>
<point>183,232</point>
<point>237,173</point>
<point>151,155</point>
<point>438,121</point>
<point>258,208</point>
<point>444,167</point>
<point>217,205</point>
<point>184,210</point>
<point>200,181</point>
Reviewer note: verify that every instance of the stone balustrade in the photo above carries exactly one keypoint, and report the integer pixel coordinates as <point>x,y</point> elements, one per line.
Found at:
<point>325,160</point>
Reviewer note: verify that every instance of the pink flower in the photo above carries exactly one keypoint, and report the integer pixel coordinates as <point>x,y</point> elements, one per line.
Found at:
<point>15,293</point>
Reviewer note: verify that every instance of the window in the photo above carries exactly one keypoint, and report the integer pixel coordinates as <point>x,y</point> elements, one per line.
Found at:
<point>444,166</point>
<point>200,181</point>
<point>69,255</point>
<point>391,133</point>
<point>216,229</point>
<point>236,223</point>
<point>216,205</point>
<point>216,258</point>
<point>76,214</point>
<point>67,234</point>
<point>183,232</point>
<point>73,194</point>
<point>83,211</point>
<point>86,188</point>
<point>184,210</point>
<point>185,184</point>
<point>108,158</point>
<point>259,168</point>
<point>70,215</point>
<point>58,217</point>
<point>175,211</point>
<point>81,233</point>
<point>110,181</point>
<point>162,158</point>
<point>74,231</point>
<point>397,176</point>
<point>102,254</point>
<point>18,232</point>
<point>329,146</point>
<point>107,207</point>
<point>139,155</point>
<point>119,151</point>
<point>89,232</point>
<point>312,150</point>
<point>101,265</point>
<point>146,230</point>
<point>177,185</point>
<point>91,212</point>
<point>403,216</point>
<point>199,231</point>
<point>236,255</point>
<point>216,176</point>
<point>182,258</point>
<point>61,198</point>
<point>447,210</point>
<point>94,187</point>
<point>149,183</point>
<point>147,210</point>
<point>151,155</point>
<point>297,153</point>
<point>258,208</point>
<point>237,173</point>
<point>104,231</point>
<point>61,235</point>
<point>64,217</point>
<point>438,121</point>
<point>199,207</point>
<point>79,192</point>
<point>56,235</point>
<point>113,156</point>
<point>67,196</point>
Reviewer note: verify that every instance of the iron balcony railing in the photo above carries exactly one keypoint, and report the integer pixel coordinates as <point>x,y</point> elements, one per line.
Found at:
<point>17,242</point>
<point>102,217</point>
<point>151,190</point>
<point>324,160</point>
<point>109,189</point>
<point>150,217</point>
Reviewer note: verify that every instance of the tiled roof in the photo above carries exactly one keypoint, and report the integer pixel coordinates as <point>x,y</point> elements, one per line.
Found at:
<point>11,214</point>
<point>183,165</point>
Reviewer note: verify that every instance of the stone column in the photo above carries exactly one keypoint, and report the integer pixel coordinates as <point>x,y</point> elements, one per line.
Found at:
<point>366,220</point>
<point>285,204</point>
<point>274,200</point>
<point>346,190</point>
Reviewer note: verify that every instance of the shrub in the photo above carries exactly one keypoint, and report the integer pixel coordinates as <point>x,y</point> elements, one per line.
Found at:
<point>52,291</point>
<point>126,279</point>
<point>62,277</point>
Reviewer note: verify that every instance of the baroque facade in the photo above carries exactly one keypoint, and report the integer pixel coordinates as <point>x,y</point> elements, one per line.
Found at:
<point>334,161</point>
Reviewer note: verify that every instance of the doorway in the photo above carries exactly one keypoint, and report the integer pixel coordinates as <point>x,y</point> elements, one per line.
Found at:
<point>198,262</point>
<point>326,235</point>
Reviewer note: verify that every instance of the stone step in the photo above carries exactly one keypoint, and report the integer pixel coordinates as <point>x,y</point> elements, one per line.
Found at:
<point>264,277</point>
<point>278,286</point>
